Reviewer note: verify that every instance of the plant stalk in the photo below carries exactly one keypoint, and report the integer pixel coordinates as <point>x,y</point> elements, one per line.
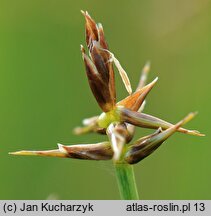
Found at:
<point>126,181</point>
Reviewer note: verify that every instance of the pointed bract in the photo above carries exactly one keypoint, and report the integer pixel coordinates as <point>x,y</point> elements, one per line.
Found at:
<point>148,121</point>
<point>146,145</point>
<point>47,153</point>
<point>141,84</point>
<point>90,125</point>
<point>144,75</point>
<point>91,29</point>
<point>98,151</point>
<point>134,101</point>
<point>101,36</point>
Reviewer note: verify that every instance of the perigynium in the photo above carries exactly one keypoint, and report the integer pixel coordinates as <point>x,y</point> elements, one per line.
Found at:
<point>118,119</point>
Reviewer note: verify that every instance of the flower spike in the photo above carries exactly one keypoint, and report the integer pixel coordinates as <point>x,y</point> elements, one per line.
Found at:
<point>118,120</point>
<point>99,65</point>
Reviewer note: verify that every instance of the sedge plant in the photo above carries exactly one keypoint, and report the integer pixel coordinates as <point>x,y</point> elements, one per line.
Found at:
<point>118,119</point>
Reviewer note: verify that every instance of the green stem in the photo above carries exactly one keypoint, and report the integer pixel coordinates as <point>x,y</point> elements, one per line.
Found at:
<point>126,181</point>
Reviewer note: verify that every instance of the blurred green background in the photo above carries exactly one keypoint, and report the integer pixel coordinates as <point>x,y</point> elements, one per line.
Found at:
<point>45,94</point>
